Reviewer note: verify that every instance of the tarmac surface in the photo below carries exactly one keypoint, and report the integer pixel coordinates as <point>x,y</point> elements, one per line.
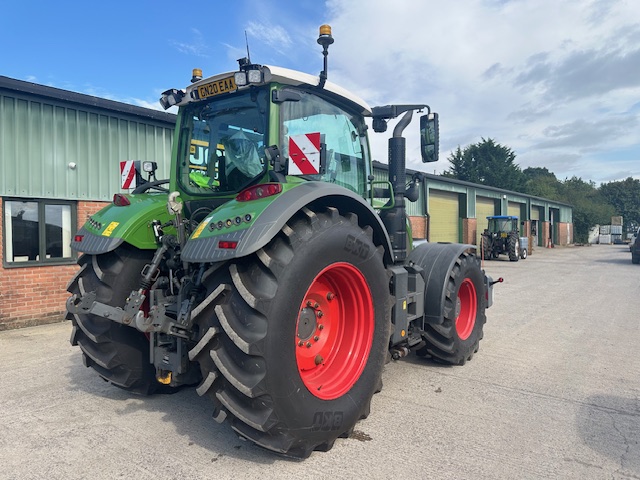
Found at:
<point>554,392</point>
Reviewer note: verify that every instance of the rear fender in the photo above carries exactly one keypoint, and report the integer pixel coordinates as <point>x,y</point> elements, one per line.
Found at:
<point>107,229</point>
<point>436,260</point>
<point>249,226</point>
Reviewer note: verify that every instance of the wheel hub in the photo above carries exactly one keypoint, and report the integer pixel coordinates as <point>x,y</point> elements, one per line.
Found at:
<point>307,323</point>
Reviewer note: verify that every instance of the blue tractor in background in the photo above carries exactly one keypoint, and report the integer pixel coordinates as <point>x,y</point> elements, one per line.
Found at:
<point>502,237</point>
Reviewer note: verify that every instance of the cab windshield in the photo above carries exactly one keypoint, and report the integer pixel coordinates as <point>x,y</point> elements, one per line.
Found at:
<point>501,225</point>
<point>222,143</point>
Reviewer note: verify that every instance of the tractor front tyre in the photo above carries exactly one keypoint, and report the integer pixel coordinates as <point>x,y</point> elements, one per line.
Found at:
<point>457,339</point>
<point>118,353</point>
<point>293,338</point>
<point>513,248</point>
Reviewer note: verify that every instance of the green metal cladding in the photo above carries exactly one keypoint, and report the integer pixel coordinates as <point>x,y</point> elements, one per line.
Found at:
<point>42,140</point>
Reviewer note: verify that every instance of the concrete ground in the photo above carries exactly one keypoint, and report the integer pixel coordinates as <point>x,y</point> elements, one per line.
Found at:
<point>553,393</point>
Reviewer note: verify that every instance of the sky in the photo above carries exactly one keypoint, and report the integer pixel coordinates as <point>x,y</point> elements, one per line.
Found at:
<point>558,82</point>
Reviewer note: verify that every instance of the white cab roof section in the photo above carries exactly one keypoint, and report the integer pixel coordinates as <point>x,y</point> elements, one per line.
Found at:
<point>293,77</point>
<point>290,77</point>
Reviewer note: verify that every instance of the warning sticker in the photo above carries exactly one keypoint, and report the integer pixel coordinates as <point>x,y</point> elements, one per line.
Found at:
<point>128,173</point>
<point>304,154</point>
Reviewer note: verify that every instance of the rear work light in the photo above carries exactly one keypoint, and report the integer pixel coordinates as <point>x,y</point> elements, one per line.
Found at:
<point>120,200</point>
<point>259,191</point>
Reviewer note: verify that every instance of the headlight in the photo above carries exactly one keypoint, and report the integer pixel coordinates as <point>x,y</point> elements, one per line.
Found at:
<point>240,78</point>
<point>254,76</point>
<point>149,167</point>
<point>246,77</point>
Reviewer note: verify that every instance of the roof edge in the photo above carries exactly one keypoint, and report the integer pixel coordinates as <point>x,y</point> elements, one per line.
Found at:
<point>55,93</point>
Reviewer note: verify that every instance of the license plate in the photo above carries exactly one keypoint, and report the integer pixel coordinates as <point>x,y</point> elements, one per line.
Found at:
<point>218,87</point>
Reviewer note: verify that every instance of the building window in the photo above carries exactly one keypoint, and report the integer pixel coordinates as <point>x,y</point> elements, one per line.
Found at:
<point>38,231</point>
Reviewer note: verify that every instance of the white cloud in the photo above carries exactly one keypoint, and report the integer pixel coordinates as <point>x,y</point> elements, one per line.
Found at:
<point>555,81</point>
<point>196,46</point>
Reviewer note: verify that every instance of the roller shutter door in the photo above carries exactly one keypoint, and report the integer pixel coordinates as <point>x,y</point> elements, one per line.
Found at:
<point>535,213</point>
<point>514,210</point>
<point>485,207</point>
<point>444,216</point>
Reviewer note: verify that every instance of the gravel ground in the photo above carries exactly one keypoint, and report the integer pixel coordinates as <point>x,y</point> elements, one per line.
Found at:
<point>554,392</point>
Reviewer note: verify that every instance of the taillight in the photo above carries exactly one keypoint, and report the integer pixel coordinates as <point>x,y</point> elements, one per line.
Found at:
<point>78,238</point>
<point>120,200</point>
<point>259,191</point>
<point>227,245</point>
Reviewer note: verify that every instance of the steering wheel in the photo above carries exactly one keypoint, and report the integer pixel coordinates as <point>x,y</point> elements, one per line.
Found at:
<point>152,185</point>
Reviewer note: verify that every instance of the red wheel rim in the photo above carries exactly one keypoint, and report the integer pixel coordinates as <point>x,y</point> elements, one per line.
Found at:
<point>466,309</point>
<point>334,331</point>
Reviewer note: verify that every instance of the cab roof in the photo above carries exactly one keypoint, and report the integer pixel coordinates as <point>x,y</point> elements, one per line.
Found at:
<point>294,78</point>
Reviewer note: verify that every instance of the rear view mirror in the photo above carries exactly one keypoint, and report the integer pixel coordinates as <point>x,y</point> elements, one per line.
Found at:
<point>429,137</point>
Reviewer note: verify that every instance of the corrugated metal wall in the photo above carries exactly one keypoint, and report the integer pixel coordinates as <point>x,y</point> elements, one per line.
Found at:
<point>414,209</point>
<point>40,138</point>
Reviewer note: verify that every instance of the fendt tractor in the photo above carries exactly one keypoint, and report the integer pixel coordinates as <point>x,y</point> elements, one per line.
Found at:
<point>274,273</point>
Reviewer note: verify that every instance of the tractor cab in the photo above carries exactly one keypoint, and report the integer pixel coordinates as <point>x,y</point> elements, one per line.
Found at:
<point>502,225</point>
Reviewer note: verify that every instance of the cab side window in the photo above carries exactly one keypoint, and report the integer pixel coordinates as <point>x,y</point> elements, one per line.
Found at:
<point>312,122</point>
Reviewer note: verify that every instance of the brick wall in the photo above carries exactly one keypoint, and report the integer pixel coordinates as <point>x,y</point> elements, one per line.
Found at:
<point>35,295</point>
<point>469,230</point>
<point>565,233</point>
<point>418,227</point>
<point>544,232</point>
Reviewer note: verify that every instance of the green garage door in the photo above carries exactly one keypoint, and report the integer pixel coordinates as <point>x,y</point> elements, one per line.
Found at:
<point>444,216</point>
<point>485,207</point>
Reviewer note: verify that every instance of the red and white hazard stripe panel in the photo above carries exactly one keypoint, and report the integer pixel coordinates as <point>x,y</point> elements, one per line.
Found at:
<point>128,173</point>
<point>304,154</point>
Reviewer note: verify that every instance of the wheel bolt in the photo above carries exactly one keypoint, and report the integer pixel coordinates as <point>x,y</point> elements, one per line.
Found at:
<point>308,344</point>
<point>319,360</point>
<point>330,296</point>
<point>320,314</point>
<point>300,343</point>
<point>320,327</point>
<point>316,305</point>
<point>316,338</point>
<point>308,303</point>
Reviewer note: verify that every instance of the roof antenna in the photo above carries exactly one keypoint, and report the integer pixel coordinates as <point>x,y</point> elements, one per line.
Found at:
<point>246,40</point>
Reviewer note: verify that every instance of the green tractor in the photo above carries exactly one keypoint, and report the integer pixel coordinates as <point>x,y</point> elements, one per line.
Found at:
<point>501,238</point>
<point>271,271</point>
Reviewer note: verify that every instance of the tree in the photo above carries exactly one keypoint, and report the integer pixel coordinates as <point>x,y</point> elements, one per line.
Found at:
<point>589,206</point>
<point>486,163</point>
<point>540,182</point>
<point>624,195</point>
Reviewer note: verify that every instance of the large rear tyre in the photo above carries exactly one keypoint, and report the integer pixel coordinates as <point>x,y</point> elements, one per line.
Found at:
<point>457,339</point>
<point>119,354</point>
<point>293,338</point>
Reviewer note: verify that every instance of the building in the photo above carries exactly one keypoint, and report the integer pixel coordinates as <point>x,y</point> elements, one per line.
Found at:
<point>59,162</point>
<point>450,210</point>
